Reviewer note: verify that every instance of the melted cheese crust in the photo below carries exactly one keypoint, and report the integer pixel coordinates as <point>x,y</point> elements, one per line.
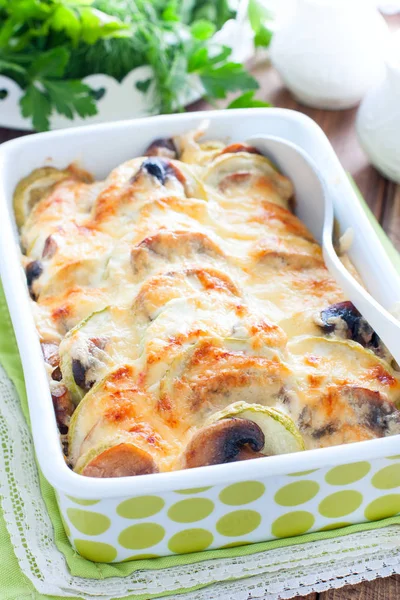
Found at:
<point>177,287</point>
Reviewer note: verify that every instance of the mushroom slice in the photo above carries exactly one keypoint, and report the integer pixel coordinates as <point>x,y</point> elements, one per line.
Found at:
<point>222,442</point>
<point>174,176</point>
<point>168,246</point>
<point>373,410</point>
<point>63,406</point>
<point>50,353</point>
<point>291,253</point>
<point>33,188</point>
<point>279,430</point>
<point>161,169</point>
<point>52,359</point>
<point>131,189</point>
<point>346,321</point>
<point>243,174</point>
<point>164,147</point>
<point>122,460</point>
<point>341,414</point>
<point>33,271</point>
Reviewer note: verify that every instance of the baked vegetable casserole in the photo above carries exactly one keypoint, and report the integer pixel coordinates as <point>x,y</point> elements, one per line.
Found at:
<point>187,318</point>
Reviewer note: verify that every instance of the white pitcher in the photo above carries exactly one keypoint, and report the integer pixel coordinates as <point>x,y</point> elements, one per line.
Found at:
<point>378,119</point>
<point>330,52</point>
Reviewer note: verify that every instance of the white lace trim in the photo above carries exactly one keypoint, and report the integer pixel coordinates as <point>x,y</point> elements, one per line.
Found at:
<point>273,575</point>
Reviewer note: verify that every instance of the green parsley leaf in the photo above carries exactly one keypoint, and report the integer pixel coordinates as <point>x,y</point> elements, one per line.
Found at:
<point>96,24</point>
<point>6,65</point>
<point>216,11</point>
<point>186,9</point>
<point>198,59</point>
<point>7,29</point>
<point>36,104</point>
<point>177,74</point>
<point>247,100</point>
<point>49,46</point>
<point>227,78</point>
<point>71,96</point>
<point>66,97</point>
<point>50,64</point>
<point>263,37</point>
<point>258,12</point>
<point>260,16</point>
<point>220,56</point>
<point>24,10</point>
<point>170,11</point>
<point>65,19</point>
<point>202,29</point>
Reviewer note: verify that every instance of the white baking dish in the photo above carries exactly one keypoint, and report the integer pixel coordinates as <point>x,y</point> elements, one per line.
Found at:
<point>218,516</point>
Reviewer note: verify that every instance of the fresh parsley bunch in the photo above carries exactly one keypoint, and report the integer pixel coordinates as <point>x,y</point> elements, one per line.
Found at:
<point>48,46</point>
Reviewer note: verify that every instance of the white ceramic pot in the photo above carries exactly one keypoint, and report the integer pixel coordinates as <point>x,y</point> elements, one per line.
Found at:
<point>378,121</point>
<point>330,52</point>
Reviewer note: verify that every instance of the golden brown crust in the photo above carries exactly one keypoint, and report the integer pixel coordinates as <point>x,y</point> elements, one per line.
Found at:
<point>176,288</point>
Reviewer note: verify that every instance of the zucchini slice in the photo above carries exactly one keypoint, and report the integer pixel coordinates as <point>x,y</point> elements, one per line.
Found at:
<point>280,431</point>
<point>31,189</point>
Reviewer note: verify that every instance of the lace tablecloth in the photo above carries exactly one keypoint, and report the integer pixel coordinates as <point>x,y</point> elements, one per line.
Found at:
<point>281,573</point>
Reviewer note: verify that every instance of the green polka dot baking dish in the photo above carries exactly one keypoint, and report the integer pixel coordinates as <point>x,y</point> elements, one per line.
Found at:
<point>195,401</point>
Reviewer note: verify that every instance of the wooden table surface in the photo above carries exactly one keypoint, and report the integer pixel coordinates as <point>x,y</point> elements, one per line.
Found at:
<point>383,198</point>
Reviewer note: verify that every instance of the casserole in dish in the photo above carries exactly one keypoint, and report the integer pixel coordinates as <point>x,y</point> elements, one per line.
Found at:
<point>119,526</point>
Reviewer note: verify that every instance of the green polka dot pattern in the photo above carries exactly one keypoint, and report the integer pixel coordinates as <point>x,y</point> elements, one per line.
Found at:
<point>239,522</point>
<point>96,551</point>
<point>234,514</point>
<point>296,493</point>
<point>140,508</point>
<point>242,493</point>
<point>387,478</point>
<point>83,502</point>
<point>66,526</point>
<point>90,523</point>
<point>191,510</point>
<point>293,523</point>
<point>190,540</point>
<point>340,504</point>
<point>383,507</point>
<point>143,535</point>
<point>347,473</point>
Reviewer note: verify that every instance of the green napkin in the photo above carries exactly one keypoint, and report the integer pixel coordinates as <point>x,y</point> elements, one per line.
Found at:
<point>14,585</point>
